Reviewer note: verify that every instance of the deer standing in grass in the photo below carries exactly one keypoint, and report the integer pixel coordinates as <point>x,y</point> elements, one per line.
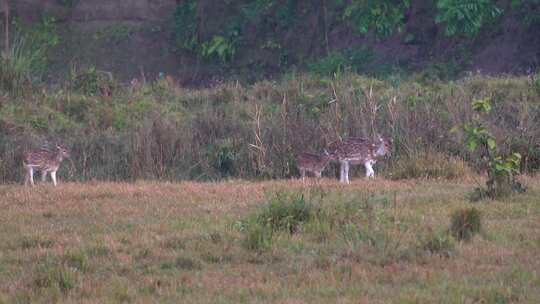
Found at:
<point>356,150</point>
<point>45,161</point>
<point>312,163</point>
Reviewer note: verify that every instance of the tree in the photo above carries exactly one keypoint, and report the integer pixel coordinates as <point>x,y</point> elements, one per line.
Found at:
<point>5,8</point>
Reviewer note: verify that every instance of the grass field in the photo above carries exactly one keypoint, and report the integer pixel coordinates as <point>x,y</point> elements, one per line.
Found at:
<point>369,242</point>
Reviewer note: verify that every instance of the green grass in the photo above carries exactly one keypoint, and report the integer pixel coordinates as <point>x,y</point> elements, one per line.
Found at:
<point>375,241</point>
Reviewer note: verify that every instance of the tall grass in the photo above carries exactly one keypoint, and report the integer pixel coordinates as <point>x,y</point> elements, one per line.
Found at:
<point>162,131</point>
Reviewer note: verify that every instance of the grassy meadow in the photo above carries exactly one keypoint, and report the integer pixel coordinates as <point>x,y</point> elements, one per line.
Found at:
<point>374,241</point>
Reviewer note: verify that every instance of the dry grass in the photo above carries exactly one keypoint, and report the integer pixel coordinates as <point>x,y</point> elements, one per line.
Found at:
<point>178,242</point>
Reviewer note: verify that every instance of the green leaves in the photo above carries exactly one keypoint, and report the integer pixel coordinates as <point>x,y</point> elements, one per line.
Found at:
<point>502,169</point>
<point>507,165</point>
<point>478,135</point>
<point>382,16</point>
<point>465,16</point>
<point>482,105</point>
<point>220,47</point>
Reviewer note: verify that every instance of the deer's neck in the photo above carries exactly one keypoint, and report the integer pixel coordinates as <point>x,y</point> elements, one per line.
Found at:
<point>381,150</point>
<point>59,158</point>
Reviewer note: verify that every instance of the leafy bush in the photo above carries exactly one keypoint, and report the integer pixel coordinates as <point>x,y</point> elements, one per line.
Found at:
<point>329,65</point>
<point>285,212</point>
<point>465,223</point>
<point>219,47</point>
<point>92,82</point>
<point>502,170</point>
<point>354,60</point>
<point>465,16</point>
<point>383,17</point>
<point>28,57</point>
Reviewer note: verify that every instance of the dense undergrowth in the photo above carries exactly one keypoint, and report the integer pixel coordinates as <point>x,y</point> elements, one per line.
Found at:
<point>158,130</point>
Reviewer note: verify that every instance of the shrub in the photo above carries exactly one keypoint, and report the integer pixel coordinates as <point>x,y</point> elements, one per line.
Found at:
<point>440,242</point>
<point>383,17</point>
<point>77,260</point>
<point>465,223</point>
<point>285,212</point>
<point>258,236</point>
<point>502,170</point>
<point>428,165</point>
<point>329,65</point>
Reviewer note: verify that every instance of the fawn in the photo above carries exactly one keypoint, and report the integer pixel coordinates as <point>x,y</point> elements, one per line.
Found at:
<point>45,161</point>
<point>357,150</point>
<point>313,163</point>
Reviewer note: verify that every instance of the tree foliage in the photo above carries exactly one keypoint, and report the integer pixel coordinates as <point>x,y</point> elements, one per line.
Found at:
<point>383,17</point>
<point>465,16</point>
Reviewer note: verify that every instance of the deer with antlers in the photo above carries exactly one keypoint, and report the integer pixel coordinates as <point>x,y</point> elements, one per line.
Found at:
<point>43,160</point>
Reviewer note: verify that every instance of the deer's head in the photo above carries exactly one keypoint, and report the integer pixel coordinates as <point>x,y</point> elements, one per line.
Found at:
<point>385,145</point>
<point>62,150</point>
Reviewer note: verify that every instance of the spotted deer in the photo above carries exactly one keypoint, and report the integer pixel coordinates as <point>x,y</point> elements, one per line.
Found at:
<point>357,150</point>
<point>314,163</point>
<point>45,161</point>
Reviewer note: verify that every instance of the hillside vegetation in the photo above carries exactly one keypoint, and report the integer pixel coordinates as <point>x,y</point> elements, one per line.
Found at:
<point>160,130</point>
<point>200,41</point>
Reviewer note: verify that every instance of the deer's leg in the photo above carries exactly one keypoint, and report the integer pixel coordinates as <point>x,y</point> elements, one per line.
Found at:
<point>344,174</point>
<point>27,176</point>
<point>347,166</point>
<point>369,169</point>
<point>53,176</point>
<point>43,175</point>
<point>31,175</point>
<point>342,171</point>
<point>303,174</point>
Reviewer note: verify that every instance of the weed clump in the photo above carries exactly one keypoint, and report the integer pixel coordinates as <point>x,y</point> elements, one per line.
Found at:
<point>465,223</point>
<point>285,212</point>
<point>50,275</point>
<point>440,242</point>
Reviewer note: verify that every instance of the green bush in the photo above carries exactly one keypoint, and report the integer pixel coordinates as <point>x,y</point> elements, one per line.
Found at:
<point>383,17</point>
<point>333,63</point>
<point>465,223</point>
<point>285,212</point>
